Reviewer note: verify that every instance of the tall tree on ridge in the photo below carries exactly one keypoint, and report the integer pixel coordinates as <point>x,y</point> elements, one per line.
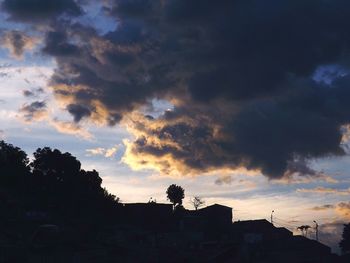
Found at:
<point>175,194</point>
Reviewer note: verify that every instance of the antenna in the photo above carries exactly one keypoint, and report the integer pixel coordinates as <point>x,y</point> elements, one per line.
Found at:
<point>316,227</point>
<point>272,216</point>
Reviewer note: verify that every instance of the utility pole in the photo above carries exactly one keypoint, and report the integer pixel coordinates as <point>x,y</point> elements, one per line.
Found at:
<point>272,216</point>
<point>316,227</point>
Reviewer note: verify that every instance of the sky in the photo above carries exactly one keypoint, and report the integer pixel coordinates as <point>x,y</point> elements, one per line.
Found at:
<point>243,103</point>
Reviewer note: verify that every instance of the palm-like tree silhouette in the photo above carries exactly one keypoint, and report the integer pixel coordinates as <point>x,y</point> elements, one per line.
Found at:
<point>304,229</point>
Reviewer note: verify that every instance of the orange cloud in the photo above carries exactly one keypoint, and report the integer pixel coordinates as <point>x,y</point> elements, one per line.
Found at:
<point>35,111</point>
<point>70,128</point>
<point>343,209</point>
<point>164,153</point>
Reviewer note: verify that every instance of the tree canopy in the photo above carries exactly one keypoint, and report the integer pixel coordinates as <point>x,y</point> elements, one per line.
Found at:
<point>175,194</point>
<point>53,181</point>
<point>64,170</point>
<point>13,164</point>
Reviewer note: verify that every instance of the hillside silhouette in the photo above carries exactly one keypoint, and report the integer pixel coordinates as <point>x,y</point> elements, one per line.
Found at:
<point>54,211</point>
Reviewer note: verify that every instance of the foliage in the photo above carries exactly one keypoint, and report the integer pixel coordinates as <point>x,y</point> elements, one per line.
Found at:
<point>63,183</point>
<point>13,164</point>
<point>55,164</point>
<point>345,242</point>
<point>63,170</point>
<point>54,182</point>
<point>110,197</point>
<point>175,194</point>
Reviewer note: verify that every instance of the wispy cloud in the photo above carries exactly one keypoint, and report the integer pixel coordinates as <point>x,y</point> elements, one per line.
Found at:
<point>229,180</point>
<point>225,179</point>
<point>324,190</point>
<point>96,151</point>
<point>68,127</point>
<point>106,152</point>
<point>297,179</point>
<point>322,207</point>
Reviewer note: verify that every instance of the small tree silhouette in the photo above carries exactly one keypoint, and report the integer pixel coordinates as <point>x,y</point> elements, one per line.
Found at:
<point>345,242</point>
<point>175,194</point>
<point>304,229</point>
<point>197,202</point>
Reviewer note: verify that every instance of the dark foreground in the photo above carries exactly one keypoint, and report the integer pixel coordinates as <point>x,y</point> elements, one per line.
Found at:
<point>151,232</point>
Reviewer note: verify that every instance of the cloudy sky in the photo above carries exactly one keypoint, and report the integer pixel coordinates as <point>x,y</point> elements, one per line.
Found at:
<point>244,103</point>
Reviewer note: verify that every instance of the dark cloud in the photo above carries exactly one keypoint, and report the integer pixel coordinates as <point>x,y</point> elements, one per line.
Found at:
<point>17,42</point>
<point>248,45</point>
<point>227,179</point>
<point>33,92</point>
<point>343,208</point>
<point>35,106</point>
<point>57,45</point>
<point>78,111</point>
<point>39,10</point>
<point>34,111</point>
<point>28,93</point>
<point>271,135</point>
<point>239,73</point>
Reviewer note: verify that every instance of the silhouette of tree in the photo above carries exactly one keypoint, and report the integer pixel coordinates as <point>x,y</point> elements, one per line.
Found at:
<point>13,164</point>
<point>197,202</point>
<point>54,164</point>
<point>304,229</point>
<point>56,177</point>
<point>63,184</point>
<point>89,180</point>
<point>110,197</point>
<point>345,242</point>
<point>55,183</point>
<point>63,170</point>
<point>175,194</point>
